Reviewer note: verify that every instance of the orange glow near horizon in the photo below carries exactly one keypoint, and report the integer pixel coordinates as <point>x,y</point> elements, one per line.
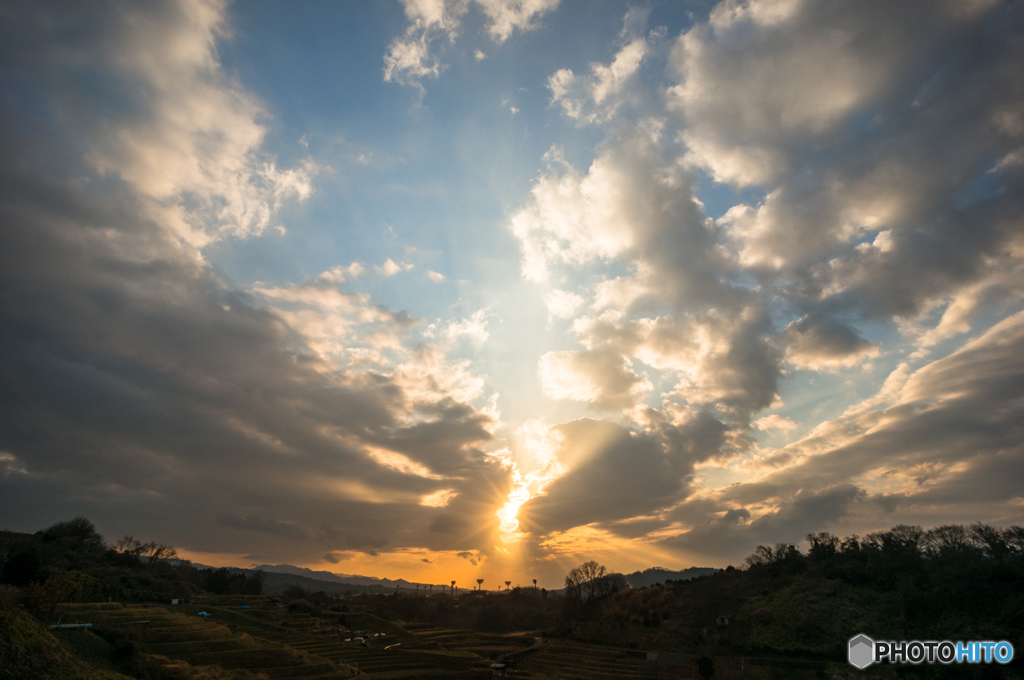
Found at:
<point>562,551</point>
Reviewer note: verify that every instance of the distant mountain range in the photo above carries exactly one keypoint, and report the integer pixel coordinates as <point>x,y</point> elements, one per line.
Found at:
<point>330,576</point>
<point>654,575</point>
<point>281,576</point>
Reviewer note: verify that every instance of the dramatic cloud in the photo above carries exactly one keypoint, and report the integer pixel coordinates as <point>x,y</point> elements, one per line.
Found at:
<point>180,398</point>
<point>762,75</point>
<point>188,138</point>
<point>869,166</point>
<point>614,474</point>
<point>730,535</point>
<point>643,294</point>
<point>924,441</point>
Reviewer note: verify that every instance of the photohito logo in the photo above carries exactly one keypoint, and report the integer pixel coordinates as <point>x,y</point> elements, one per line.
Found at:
<point>863,651</point>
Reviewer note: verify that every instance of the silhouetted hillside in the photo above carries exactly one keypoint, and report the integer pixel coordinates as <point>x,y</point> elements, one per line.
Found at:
<point>949,583</point>
<point>360,582</point>
<point>659,575</point>
<point>786,609</point>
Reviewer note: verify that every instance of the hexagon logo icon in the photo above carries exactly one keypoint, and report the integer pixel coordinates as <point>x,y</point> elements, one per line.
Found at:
<point>862,651</point>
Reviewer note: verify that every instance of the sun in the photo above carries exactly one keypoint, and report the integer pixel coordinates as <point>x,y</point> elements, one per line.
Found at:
<point>508,514</point>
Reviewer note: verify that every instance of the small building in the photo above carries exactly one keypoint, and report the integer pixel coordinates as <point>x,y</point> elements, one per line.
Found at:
<point>722,621</point>
<point>498,669</point>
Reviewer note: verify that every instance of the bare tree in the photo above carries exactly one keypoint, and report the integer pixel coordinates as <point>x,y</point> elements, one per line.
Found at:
<point>153,552</point>
<point>582,582</point>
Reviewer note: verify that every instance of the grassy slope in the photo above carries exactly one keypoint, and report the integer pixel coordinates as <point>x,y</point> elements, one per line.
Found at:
<point>28,650</point>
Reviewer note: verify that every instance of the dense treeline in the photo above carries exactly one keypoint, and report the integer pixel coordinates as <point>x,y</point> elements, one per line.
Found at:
<point>71,562</point>
<point>952,581</point>
<point>949,583</point>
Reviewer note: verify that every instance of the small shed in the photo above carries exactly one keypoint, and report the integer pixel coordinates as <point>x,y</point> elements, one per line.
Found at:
<point>722,621</point>
<point>498,669</point>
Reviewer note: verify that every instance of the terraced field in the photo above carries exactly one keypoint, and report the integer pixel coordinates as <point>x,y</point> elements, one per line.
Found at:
<point>574,661</point>
<point>263,638</point>
<point>332,642</point>
<point>205,642</point>
<point>390,651</point>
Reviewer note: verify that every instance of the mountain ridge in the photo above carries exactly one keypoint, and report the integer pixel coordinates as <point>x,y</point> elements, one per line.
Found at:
<point>659,575</point>
<point>638,579</point>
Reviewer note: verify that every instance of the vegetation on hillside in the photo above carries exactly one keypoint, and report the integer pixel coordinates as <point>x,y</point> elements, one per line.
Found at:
<point>70,562</point>
<point>950,582</point>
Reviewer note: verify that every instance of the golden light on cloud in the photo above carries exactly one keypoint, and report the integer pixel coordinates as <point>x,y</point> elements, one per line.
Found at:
<point>400,463</point>
<point>536,445</point>
<point>619,554</point>
<point>508,513</point>
<point>439,499</point>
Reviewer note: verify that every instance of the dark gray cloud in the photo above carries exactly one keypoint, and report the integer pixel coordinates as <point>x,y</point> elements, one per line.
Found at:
<point>616,474</point>
<point>139,389</point>
<point>267,526</point>
<point>732,536</point>
<point>818,342</point>
<point>474,559</point>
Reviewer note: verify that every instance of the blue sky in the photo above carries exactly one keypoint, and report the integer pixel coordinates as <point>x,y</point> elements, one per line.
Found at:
<point>490,287</point>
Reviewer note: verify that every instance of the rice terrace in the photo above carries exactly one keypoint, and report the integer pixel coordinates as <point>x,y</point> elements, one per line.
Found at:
<point>73,607</point>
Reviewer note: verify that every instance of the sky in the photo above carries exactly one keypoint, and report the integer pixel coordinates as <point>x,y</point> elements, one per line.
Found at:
<point>459,289</point>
